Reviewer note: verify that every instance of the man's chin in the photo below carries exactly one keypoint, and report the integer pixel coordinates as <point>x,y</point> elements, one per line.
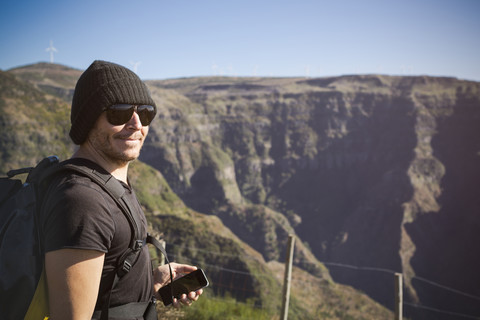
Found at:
<point>130,153</point>
<point>125,157</point>
<point>130,157</point>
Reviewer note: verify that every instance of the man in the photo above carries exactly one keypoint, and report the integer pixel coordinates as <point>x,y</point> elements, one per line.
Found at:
<point>85,231</point>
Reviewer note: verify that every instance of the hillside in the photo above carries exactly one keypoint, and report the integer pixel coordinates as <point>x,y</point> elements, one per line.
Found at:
<point>367,171</point>
<point>32,124</point>
<point>54,79</point>
<point>370,171</point>
<point>35,123</point>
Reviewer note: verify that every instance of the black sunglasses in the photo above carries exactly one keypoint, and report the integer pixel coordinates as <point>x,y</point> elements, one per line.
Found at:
<point>119,114</point>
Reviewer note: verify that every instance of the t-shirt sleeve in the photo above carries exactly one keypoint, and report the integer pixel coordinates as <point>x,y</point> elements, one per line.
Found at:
<point>78,216</point>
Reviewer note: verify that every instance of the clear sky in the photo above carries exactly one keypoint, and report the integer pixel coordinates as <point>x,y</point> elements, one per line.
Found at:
<point>180,38</point>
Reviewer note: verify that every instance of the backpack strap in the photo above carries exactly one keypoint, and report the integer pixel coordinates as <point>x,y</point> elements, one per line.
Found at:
<point>112,187</point>
<point>136,309</point>
<point>132,310</point>
<point>117,192</point>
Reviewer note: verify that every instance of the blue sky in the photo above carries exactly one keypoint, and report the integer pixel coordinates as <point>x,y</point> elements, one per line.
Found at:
<point>177,38</point>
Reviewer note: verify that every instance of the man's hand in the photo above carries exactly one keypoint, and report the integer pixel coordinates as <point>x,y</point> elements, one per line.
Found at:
<point>161,277</point>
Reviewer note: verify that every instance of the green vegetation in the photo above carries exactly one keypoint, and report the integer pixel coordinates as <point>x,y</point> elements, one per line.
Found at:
<point>153,192</point>
<point>235,165</point>
<point>209,307</point>
<point>225,308</point>
<point>32,125</point>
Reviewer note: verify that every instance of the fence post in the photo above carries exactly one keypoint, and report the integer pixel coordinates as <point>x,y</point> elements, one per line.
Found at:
<point>398,296</point>
<point>161,258</point>
<point>287,278</point>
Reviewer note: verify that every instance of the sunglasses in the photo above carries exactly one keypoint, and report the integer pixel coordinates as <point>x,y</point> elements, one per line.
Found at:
<point>119,114</point>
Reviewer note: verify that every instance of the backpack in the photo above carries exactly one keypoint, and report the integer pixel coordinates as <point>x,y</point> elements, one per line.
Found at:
<point>23,292</point>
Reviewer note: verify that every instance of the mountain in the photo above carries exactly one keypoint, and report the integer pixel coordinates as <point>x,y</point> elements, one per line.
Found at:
<point>373,174</point>
<point>32,124</point>
<point>34,117</point>
<point>57,80</point>
<point>370,171</point>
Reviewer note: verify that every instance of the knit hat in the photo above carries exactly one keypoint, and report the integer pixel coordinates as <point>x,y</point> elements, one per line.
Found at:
<point>103,84</point>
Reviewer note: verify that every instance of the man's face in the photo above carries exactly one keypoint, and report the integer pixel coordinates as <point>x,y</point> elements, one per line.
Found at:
<point>118,144</point>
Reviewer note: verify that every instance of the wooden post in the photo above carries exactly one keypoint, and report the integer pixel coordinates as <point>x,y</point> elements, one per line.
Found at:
<point>161,258</point>
<point>287,278</point>
<point>398,296</point>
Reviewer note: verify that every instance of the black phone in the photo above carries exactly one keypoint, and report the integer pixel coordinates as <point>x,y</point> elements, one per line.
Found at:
<point>192,281</point>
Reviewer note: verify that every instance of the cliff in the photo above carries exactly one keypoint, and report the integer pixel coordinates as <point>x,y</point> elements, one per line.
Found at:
<point>373,171</point>
<point>369,171</point>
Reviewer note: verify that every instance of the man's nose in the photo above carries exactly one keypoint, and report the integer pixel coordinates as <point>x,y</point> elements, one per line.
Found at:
<point>135,122</point>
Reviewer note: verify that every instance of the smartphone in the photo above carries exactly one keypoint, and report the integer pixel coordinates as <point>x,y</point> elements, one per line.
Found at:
<point>192,281</point>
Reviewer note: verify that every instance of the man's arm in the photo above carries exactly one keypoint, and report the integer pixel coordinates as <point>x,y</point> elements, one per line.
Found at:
<point>73,278</point>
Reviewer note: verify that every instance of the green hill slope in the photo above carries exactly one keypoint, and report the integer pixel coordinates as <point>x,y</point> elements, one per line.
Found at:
<point>35,123</point>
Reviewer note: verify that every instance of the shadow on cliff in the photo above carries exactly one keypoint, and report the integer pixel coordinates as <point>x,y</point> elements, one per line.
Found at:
<point>447,241</point>
<point>350,198</point>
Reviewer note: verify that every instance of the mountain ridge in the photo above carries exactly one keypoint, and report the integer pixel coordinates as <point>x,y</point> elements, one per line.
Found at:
<point>369,148</point>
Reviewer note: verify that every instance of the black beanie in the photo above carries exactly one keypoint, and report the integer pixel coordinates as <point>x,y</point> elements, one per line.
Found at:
<point>103,84</point>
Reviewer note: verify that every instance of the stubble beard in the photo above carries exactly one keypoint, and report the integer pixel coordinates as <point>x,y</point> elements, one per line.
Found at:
<point>105,145</point>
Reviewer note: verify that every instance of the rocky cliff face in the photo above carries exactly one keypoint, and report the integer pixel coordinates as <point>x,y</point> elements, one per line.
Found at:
<point>447,234</point>
<point>369,171</point>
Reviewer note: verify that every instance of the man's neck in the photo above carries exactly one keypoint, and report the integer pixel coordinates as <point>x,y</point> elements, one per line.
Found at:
<point>118,169</point>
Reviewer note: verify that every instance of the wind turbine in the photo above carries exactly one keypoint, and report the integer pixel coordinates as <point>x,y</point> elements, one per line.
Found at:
<point>255,70</point>
<point>214,69</point>
<point>52,49</point>
<point>307,71</point>
<point>135,65</point>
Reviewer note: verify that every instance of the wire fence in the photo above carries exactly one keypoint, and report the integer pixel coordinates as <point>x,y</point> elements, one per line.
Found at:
<point>231,280</point>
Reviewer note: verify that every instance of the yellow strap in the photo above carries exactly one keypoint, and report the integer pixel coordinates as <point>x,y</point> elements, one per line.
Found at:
<point>39,306</point>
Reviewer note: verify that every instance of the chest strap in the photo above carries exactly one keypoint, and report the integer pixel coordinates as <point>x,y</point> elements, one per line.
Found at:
<point>117,192</point>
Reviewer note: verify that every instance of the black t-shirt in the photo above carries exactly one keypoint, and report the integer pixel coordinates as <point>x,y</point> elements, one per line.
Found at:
<point>78,214</point>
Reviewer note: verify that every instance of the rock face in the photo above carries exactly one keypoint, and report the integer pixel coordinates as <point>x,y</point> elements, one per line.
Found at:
<point>377,172</point>
<point>370,171</point>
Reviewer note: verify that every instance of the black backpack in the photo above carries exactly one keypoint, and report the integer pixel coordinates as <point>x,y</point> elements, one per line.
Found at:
<point>21,248</point>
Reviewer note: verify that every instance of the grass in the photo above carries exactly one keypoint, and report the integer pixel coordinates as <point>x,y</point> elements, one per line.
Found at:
<point>226,308</point>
